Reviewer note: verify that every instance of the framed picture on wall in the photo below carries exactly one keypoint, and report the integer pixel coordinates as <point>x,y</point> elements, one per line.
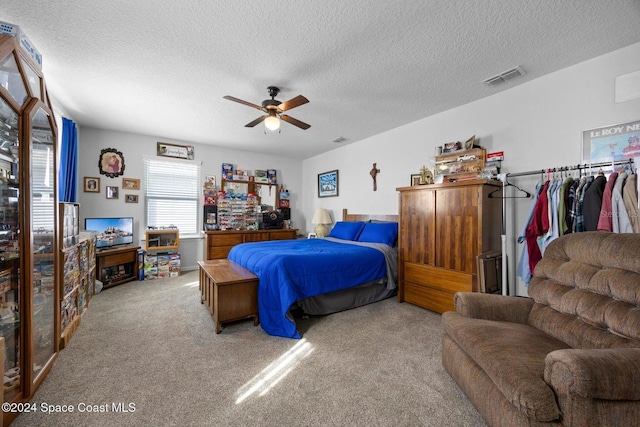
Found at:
<point>176,151</point>
<point>328,184</point>
<point>91,184</point>
<point>130,183</point>
<point>111,162</point>
<point>112,192</point>
<point>613,143</point>
<point>131,198</point>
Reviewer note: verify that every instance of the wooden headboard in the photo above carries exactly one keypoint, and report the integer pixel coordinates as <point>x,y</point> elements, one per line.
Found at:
<point>366,217</point>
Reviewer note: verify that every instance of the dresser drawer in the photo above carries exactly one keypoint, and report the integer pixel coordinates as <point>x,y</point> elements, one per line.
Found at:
<point>429,298</point>
<point>218,252</point>
<point>438,278</point>
<point>226,239</point>
<point>282,235</point>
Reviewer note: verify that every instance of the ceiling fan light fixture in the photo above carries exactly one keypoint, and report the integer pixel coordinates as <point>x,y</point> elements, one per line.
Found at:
<point>272,123</point>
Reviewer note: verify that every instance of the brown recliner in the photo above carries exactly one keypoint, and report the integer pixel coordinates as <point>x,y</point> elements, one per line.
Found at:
<point>568,355</point>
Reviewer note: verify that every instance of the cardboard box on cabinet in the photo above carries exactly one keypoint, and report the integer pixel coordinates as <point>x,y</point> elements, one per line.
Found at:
<point>15,32</point>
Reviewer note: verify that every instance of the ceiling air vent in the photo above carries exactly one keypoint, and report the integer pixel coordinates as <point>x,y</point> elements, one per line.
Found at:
<point>338,140</point>
<point>504,77</point>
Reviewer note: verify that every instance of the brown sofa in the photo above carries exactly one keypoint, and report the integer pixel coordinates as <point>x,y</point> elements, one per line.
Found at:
<point>570,354</point>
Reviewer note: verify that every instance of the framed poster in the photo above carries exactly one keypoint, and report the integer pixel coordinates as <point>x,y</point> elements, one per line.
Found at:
<point>328,184</point>
<point>611,143</point>
<point>176,151</point>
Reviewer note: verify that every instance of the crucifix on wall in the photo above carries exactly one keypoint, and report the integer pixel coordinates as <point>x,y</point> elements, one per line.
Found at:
<point>374,172</point>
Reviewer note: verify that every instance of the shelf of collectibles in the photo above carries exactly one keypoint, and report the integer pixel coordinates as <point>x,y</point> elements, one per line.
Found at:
<point>237,211</point>
<point>78,271</point>
<point>161,259</point>
<point>209,196</point>
<point>458,165</point>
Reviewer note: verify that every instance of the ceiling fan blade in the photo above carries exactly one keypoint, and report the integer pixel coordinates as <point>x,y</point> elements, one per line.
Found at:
<point>292,103</point>
<point>256,121</point>
<point>295,122</point>
<point>249,104</point>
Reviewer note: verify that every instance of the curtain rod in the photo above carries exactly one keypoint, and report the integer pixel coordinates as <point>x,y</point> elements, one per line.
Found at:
<point>568,168</point>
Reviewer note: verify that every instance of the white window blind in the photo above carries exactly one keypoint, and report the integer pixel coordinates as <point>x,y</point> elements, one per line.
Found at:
<point>172,194</point>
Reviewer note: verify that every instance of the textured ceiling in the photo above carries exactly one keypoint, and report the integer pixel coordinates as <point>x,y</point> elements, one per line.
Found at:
<point>367,66</point>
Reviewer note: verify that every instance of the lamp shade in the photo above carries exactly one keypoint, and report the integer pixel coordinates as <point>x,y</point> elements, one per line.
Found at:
<point>321,217</point>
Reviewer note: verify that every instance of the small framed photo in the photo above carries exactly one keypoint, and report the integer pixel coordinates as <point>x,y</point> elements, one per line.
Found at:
<point>112,192</point>
<point>311,236</point>
<point>415,179</point>
<point>91,184</point>
<point>131,198</point>
<point>130,184</point>
<point>328,184</point>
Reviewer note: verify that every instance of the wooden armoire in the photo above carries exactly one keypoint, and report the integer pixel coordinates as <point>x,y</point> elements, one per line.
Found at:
<point>443,229</point>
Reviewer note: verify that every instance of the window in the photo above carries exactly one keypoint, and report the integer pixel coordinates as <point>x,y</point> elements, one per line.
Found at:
<point>172,194</point>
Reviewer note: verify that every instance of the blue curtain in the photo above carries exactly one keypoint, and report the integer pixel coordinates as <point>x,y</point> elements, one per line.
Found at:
<point>68,173</point>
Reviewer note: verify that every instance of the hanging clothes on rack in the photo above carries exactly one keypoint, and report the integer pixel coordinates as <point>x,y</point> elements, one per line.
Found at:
<point>538,227</point>
<point>619,216</point>
<point>578,224</point>
<point>605,221</point>
<point>593,203</point>
<point>523,270</point>
<point>630,199</point>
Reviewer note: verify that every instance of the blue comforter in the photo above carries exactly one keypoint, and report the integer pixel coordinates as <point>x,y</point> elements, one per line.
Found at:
<point>291,270</point>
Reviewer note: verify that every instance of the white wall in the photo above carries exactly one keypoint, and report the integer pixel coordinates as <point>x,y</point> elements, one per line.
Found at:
<point>135,147</point>
<point>537,124</point>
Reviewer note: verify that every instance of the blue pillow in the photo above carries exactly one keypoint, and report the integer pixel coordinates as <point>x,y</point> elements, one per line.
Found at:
<point>346,230</point>
<point>380,232</point>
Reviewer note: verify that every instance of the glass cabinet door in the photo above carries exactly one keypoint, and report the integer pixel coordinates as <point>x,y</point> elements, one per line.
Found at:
<point>43,215</point>
<point>9,247</point>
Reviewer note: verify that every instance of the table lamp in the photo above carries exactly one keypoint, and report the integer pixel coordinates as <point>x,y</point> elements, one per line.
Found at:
<point>321,217</point>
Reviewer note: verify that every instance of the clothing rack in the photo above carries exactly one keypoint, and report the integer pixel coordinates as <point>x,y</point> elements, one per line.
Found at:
<point>570,168</point>
<point>503,178</point>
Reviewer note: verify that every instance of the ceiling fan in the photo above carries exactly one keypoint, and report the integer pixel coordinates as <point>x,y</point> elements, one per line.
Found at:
<point>274,110</point>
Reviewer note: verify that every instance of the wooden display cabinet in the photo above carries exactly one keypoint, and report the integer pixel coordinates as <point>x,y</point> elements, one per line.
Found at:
<point>30,309</point>
<point>162,240</point>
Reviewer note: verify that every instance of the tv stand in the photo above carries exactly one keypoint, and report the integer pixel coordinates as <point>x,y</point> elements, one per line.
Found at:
<point>117,265</point>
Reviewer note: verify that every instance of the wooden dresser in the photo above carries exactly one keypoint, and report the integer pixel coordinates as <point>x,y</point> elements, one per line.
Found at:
<point>217,244</point>
<point>443,228</point>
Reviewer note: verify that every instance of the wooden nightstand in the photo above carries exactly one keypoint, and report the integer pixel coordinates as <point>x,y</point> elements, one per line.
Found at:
<point>229,290</point>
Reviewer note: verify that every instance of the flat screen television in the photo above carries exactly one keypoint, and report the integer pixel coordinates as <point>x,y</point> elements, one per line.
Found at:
<point>111,231</point>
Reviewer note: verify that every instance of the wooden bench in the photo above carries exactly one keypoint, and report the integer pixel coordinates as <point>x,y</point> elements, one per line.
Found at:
<point>229,290</point>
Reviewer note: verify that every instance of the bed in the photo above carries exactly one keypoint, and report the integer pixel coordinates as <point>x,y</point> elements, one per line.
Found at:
<point>356,264</point>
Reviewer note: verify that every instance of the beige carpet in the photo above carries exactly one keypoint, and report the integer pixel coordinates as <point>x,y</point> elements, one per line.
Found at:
<point>150,348</point>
